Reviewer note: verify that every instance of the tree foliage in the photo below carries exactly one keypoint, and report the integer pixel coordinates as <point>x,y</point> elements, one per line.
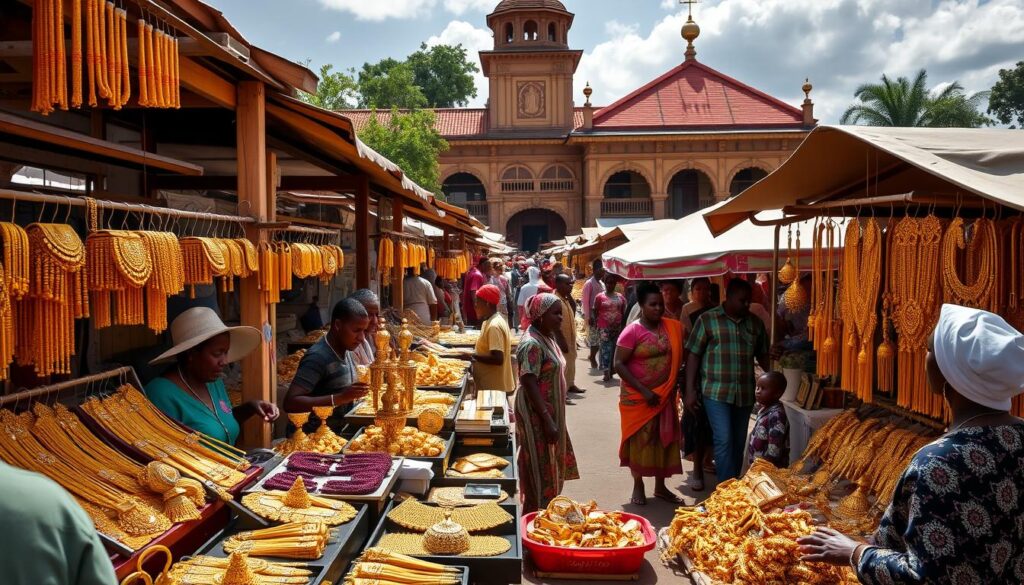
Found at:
<point>390,84</point>
<point>337,90</point>
<point>905,102</point>
<point>444,74</point>
<point>410,141</point>
<point>1006,101</point>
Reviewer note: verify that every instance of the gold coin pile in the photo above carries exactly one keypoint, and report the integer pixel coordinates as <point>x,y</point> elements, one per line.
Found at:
<point>410,443</point>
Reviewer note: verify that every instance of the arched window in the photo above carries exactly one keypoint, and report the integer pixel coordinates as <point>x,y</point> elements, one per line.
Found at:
<point>510,34</point>
<point>627,185</point>
<point>689,192</point>
<point>552,32</point>
<point>461,188</point>
<point>530,31</point>
<point>557,178</point>
<point>745,179</point>
<point>516,179</point>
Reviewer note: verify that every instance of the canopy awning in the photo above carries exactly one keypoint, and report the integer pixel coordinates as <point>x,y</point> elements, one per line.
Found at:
<point>836,162</point>
<point>686,249</point>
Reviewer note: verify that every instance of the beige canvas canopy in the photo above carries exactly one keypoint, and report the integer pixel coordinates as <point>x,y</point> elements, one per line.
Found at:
<point>838,162</point>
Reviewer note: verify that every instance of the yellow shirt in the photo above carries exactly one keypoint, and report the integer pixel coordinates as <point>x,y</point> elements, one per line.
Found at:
<point>494,335</point>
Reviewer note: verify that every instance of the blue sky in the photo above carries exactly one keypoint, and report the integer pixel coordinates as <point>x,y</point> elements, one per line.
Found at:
<point>770,44</point>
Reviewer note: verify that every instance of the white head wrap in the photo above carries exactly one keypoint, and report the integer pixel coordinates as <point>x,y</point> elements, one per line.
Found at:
<point>981,355</point>
<point>531,262</point>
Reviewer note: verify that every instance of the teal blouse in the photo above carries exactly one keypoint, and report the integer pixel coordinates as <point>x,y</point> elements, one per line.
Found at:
<point>185,408</point>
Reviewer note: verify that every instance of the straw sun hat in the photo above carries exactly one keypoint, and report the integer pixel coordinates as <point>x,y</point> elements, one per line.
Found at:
<point>199,324</point>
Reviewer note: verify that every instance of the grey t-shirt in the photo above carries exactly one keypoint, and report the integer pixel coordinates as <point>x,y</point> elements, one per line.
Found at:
<point>321,373</point>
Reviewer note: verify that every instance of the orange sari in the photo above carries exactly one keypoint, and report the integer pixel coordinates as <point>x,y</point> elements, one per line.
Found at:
<point>633,408</point>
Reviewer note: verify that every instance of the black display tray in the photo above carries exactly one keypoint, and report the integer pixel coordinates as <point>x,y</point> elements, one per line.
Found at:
<point>509,483</point>
<point>343,548</point>
<point>438,464</point>
<point>363,420</point>
<point>501,569</point>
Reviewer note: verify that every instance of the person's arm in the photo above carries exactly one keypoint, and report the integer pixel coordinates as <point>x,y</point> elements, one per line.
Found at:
<point>307,376</point>
<point>696,345</point>
<point>761,346</point>
<point>622,357</point>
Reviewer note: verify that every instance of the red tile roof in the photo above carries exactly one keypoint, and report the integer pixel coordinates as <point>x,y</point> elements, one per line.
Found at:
<point>695,96</point>
<point>451,122</point>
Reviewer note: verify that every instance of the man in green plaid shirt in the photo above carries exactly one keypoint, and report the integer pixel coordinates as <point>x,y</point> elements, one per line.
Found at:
<point>723,345</point>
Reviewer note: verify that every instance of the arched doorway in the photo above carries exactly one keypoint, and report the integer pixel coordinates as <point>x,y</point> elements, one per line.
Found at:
<point>745,179</point>
<point>689,192</point>
<point>531,228</point>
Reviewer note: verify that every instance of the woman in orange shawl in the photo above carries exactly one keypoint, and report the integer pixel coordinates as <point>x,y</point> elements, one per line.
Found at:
<point>647,358</point>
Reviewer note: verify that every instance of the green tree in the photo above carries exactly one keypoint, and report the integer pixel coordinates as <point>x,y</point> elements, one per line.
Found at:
<point>909,103</point>
<point>444,74</point>
<point>337,90</point>
<point>1006,101</point>
<point>390,84</point>
<point>410,141</point>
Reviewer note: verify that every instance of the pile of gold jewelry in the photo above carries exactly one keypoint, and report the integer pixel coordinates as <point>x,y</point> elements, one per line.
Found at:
<point>287,367</point>
<point>422,400</point>
<point>567,523</point>
<point>323,440</point>
<point>468,338</point>
<point>297,505</point>
<point>299,441</point>
<point>131,516</point>
<point>128,415</point>
<point>456,496</point>
<point>733,541</point>
<point>411,443</point>
<point>438,371</point>
<point>294,540</point>
<point>415,515</point>
<point>479,466</point>
<point>446,536</point>
<point>237,569</point>
<point>379,566</point>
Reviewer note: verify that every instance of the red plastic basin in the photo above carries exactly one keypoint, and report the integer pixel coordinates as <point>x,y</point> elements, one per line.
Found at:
<point>610,561</point>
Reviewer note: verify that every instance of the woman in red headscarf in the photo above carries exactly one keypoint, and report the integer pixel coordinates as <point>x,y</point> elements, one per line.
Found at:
<point>492,360</point>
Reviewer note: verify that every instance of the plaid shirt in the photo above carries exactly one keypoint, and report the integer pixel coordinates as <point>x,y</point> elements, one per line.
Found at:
<point>727,348</point>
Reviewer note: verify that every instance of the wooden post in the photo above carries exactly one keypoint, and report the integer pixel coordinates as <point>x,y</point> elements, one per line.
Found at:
<point>363,233</point>
<point>446,242</point>
<point>254,199</point>
<point>397,272</point>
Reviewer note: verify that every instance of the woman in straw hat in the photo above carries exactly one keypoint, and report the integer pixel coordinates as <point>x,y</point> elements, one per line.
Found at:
<point>956,513</point>
<point>191,390</point>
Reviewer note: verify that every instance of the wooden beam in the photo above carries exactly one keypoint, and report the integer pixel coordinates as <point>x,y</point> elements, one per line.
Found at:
<point>363,233</point>
<point>257,367</point>
<point>397,271</point>
<point>343,184</point>
<point>206,83</point>
<point>60,137</point>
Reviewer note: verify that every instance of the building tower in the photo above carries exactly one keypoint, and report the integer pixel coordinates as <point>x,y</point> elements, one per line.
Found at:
<point>530,69</point>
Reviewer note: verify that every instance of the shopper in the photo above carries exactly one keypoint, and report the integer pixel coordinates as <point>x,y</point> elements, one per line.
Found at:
<point>500,281</point>
<point>492,358</point>
<point>327,375</point>
<point>672,292</point>
<point>526,292</point>
<point>472,281</point>
<point>591,288</point>
<point>955,516</point>
<point>546,459</point>
<point>769,439</point>
<point>723,346</point>
<point>192,391</point>
<point>648,355</point>
<point>430,275</point>
<point>567,333</point>
<point>50,539</point>
<point>311,320</point>
<point>418,296</point>
<point>610,309</point>
<point>366,353</point>
<point>697,437</point>
<point>700,298</point>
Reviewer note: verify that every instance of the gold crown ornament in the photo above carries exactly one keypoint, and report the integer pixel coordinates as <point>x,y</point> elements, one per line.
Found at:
<point>447,537</point>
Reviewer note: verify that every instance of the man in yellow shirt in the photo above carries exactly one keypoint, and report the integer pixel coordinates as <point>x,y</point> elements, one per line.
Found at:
<point>567,335</point>
<point>492,361</point>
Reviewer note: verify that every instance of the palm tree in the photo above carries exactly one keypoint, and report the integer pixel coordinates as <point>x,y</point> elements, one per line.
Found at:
<point>909,103</point>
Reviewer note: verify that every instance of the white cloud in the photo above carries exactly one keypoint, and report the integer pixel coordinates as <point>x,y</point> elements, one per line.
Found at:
<point>334,37</point>
<point>462,6</point>
<point>378,10</point>
<point>774,44</point>
<point>459,32</point>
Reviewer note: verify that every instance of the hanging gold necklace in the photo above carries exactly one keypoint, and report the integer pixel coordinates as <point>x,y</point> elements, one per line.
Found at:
<point>981,264</point>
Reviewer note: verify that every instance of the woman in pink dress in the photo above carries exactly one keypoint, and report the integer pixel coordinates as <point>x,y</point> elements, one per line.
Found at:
<point>610,307</point>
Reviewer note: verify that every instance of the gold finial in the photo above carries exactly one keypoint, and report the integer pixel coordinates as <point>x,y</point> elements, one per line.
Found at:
<point>383,340</point>
<point>690,30</point>
<point>807,87</point>
<point>297,497</point>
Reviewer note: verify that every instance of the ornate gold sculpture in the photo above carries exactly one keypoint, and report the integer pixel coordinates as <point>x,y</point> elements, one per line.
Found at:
<point>392,382</point>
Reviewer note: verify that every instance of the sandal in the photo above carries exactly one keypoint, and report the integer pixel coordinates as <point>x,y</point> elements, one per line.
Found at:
<point>670,498</point>
<point>641,501</point>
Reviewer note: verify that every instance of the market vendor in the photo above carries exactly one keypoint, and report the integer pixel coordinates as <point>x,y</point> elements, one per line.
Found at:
<point>492,358</point>
<point>956,513</point>
<point>327,374</point>
<point>191,391</point>
<point>367,352</point>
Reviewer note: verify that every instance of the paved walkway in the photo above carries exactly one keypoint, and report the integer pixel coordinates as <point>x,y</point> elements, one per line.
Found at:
<point>594,427</point>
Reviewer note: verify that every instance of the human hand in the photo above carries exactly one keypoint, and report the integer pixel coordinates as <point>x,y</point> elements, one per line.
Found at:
<point>551,430</point>
<point>267,410</point>
<point>651,398</point>
<point>827,545</point>
<point>355,392</point>
<point>690,402</point>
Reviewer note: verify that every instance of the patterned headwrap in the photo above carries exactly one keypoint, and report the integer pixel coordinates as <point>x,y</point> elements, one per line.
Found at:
<point>489,293</point>
<point>539,304</point>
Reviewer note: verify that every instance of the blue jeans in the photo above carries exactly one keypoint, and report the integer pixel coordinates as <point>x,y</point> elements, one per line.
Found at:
<point>729,425</point>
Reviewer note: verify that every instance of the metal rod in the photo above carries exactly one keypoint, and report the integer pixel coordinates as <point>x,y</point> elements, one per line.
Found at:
<point>120,206</point>
<point>60,386</point>
<point>771,279</point>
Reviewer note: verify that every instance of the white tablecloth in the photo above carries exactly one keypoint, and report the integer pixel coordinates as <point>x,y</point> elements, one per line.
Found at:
<point>802,424</point>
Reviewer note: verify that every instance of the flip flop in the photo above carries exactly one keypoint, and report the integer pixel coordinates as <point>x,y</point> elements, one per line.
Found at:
<point>641,501</point>
<point>575,390</point>
<point>697,486</point>
<point>670,498</point>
